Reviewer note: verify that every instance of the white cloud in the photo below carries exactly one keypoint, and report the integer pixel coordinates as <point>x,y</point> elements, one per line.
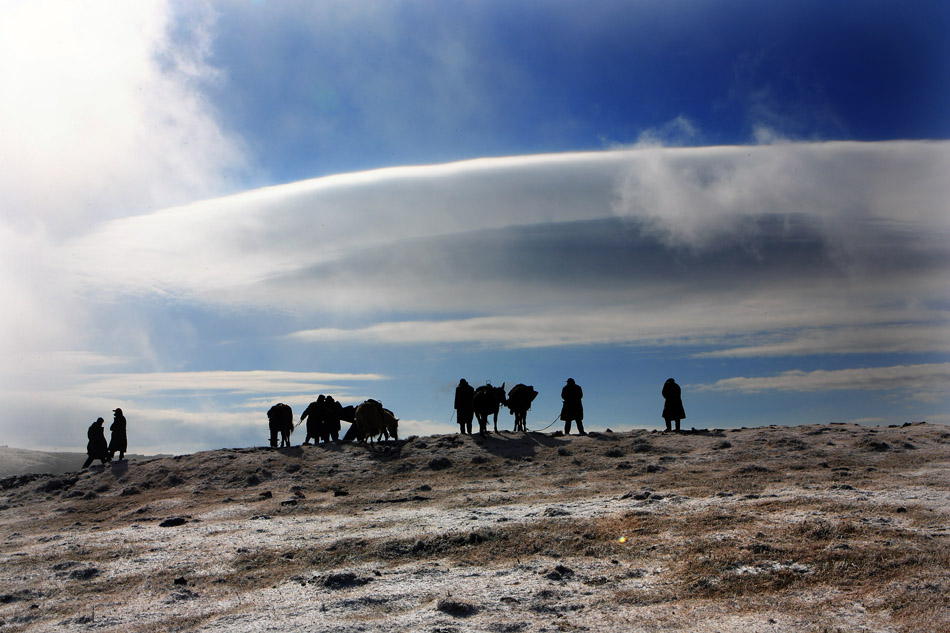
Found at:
<point>99,113</point>
<point>652,324</point>
<point>883,339</point>
<point>820,246</point>
<point>245,382</point>
<point>699,196</point>
<point>925,381</point>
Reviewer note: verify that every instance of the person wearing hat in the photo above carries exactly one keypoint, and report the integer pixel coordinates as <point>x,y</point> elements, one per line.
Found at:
<point>97,447</point>
<point>572,409</point>
<point>119,441</point>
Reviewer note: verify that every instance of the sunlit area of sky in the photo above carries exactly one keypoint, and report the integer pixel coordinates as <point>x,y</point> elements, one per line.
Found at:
<point>210,207</point>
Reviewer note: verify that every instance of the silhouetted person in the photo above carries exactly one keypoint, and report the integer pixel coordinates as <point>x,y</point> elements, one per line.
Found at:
<point>464,406</point>
<point>331,423</point>
<point>673,406</point>
<point>96,448</point>
<point>315,414</point>
<point>572,409</point>
<point>119,442</point>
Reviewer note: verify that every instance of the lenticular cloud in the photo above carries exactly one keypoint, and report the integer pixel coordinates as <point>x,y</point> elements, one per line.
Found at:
<point>778,236</point>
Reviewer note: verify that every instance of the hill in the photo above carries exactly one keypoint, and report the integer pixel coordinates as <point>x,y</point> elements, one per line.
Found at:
<point>21,461</point>
<point>811,528</point>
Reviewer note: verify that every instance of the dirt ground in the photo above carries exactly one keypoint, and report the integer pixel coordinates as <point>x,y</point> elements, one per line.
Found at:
<point>816,528</point>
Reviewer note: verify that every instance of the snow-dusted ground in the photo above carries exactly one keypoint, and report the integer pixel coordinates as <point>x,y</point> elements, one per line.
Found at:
<point>813,528</point>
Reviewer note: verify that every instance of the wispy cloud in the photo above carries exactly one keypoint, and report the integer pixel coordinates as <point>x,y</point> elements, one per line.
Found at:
<point>275,383</point>
<point>925,381</point>
<point>883,339</point>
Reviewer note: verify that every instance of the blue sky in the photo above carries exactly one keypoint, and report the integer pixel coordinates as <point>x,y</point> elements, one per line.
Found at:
<point>206,208</point>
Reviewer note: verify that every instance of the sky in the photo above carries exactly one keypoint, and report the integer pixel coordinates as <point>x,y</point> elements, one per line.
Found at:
<point>210,207</point>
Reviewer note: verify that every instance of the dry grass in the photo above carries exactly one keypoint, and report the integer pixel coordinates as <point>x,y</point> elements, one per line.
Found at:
<point>811,529</point>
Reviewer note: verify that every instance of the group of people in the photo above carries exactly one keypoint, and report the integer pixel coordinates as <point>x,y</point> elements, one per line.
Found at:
<point>323,419</point>
<point>98,448</point>
<point>572,409</point>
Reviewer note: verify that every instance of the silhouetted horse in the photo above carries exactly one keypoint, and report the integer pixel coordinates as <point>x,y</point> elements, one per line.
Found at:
<point>486,402</point>
<point>519,401</point>
<point>280,418</point>
<point>373,421</point>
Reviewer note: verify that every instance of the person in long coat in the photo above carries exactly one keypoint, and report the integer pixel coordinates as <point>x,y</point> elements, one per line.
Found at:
<point>315,414</point>
<point>464,406</point>
<point>673,406</point>
<point>572,409</point>
<point>331,422</point>
<point>96,448</point>
<point>119,441</point>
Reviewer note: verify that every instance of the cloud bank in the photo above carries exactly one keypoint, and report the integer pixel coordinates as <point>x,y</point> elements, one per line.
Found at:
<point>790,249</point>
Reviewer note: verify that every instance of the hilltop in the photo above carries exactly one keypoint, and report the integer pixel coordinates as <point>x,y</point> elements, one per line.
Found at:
<point>809,528</point>
<point>21,461</point>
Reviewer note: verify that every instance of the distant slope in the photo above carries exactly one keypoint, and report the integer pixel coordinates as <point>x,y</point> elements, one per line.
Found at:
<point>20,461</point>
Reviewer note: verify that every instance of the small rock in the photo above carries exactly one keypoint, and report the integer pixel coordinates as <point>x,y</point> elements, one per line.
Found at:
<point>440,463</point>
<point>86,573</point>
<point>343,580</point>
<point>456,608</point>
<point>173,522</point>
<point>180,581</point>
<point>560,572</point>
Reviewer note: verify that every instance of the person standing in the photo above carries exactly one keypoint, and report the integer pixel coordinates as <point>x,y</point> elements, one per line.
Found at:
<point>673,406</point>
<point>119,441</point>
<point>572,409</point>
<point>464,407</point>
<point>331,423</point>
<point>314,414</point>
<point>96,448</point>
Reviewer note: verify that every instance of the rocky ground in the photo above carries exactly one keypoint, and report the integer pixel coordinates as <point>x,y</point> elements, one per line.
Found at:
<point>812,528</point>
